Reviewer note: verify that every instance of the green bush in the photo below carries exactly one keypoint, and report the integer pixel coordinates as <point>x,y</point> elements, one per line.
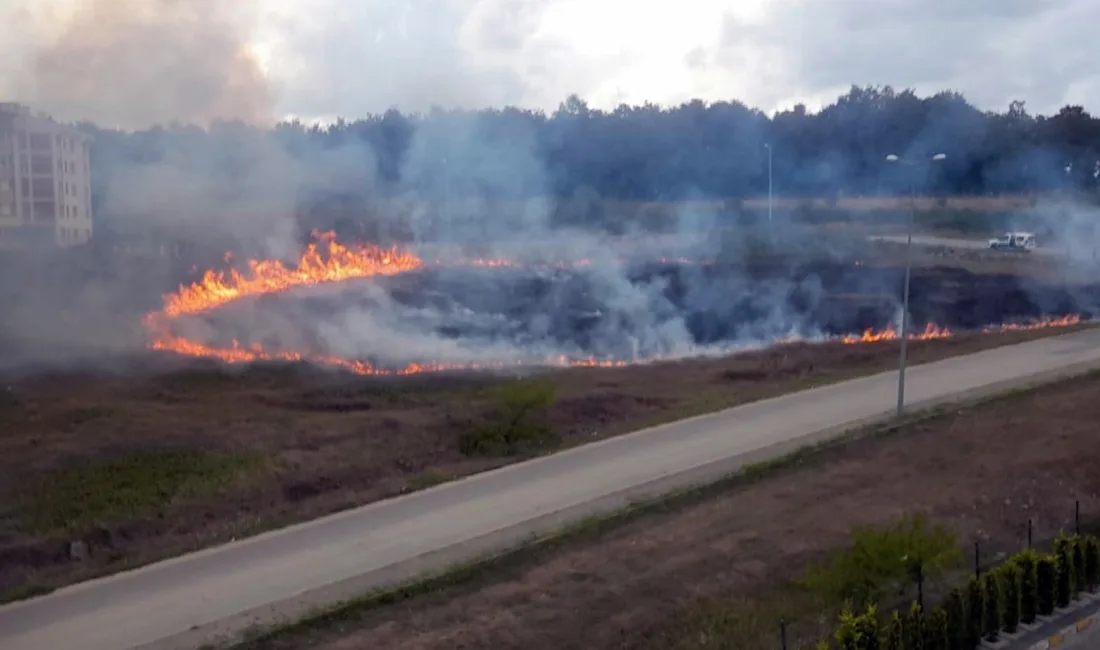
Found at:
<point>955,609</point>
<point>881,559</point>
<point>991,606</point>
<point>1092,563</point>
<point>867,628</point>
<point>935,630</point>
<point>847,632</point>
<point>519,409</point>
<point>1046,570</point>
<point>1063,579</point>
<point>1078,548</point>
<point>893,633</point>
<point>913,631</point>
<point>1025,563</point>
<point>1010,597</point>
<point>972,632</point>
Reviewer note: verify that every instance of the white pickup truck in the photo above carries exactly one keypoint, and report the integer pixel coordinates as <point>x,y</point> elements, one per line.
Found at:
<point>1014,241</point>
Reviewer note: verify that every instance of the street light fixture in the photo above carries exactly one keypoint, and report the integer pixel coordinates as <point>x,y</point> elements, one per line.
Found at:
<point>904,336</point>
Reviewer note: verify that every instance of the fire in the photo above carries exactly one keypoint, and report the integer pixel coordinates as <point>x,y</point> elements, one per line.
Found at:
<point>327,261</point>
<point>931,331</point>
<point>323,261</point>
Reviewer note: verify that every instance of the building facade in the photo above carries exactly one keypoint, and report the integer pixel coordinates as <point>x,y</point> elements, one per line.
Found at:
<point>45,180</point>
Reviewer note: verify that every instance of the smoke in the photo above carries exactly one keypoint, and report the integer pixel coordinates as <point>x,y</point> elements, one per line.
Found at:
<point>136,63</point>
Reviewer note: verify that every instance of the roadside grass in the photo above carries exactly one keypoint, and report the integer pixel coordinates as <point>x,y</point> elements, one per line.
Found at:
<point>741,619</point>
<point>79,499</point>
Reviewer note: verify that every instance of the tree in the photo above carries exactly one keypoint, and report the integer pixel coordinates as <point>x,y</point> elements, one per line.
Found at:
<point>1010,592</point>
<point>913,631</point>
<point>991,606</point>
<point>1046,571</point>
<point>972,634</point>
<point>955,610</point>
<point>893,634</point>
<point>1064,571</point>
<point>935,630</point>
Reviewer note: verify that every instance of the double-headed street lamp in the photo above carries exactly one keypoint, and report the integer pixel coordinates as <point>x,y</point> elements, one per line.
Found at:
<point>904,335</point>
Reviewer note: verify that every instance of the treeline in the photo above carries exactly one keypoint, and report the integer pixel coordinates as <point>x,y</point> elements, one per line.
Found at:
<point>652,153</point>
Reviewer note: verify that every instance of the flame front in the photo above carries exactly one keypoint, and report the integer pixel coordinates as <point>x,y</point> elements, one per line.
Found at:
<point>327,261</point>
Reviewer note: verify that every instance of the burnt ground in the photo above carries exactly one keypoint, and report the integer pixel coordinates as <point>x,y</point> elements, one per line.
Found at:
<point>722,572</point>
<point>142,466</point>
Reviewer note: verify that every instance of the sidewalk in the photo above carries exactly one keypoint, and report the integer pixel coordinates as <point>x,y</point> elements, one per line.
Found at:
<point>1063,630</point>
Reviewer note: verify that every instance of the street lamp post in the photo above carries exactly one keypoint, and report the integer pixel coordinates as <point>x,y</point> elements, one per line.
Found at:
<point>769,148</point>
<point>904,333</point>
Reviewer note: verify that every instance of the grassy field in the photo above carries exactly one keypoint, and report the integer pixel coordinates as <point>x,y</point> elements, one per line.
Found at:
<point>722,568</point>
<point>143,466</point>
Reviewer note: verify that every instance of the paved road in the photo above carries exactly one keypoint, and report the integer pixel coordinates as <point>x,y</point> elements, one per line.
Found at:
<point>182,603</point>
<point>947,242</point>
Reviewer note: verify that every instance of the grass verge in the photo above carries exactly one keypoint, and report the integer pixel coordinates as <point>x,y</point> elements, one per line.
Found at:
<point>343,614</point>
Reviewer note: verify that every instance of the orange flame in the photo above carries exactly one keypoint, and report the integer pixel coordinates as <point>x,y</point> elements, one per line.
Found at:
<point>327,261</point>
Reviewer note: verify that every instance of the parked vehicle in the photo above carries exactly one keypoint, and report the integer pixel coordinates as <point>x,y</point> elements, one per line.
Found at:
<point>1023,242</point>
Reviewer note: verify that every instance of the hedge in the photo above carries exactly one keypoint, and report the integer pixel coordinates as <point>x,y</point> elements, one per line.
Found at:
<point>1028,585</point>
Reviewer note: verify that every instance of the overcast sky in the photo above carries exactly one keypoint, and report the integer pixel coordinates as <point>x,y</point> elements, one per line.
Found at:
<point>141,60</point>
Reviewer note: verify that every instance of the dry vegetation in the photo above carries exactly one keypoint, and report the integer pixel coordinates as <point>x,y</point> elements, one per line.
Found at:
<point>140,467</point>
<point>722,572</point>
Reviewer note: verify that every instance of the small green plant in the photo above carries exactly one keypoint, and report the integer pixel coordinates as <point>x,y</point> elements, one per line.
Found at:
<point>935,630</point>
<point>955,610</point>
<point>1010,596</point>
<point>847,632</point>
<point>991,606</point>
<point>913,632</point>
<point>1092,563</point>
<point>881,559</point>
<point>1046,570</point>
<point>1026,562</point>
<point>1078,548</point>
<point>893,632</point>
<point>519,411</point>
<point>867,627</point>
<point>1063,579</point>
<point>972,632</point>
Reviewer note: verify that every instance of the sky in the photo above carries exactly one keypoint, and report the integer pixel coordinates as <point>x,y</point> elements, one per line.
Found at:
<point>129,62</point>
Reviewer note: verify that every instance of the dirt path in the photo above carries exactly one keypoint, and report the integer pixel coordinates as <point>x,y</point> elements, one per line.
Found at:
<point>717,574</point>
<point>140,468</point>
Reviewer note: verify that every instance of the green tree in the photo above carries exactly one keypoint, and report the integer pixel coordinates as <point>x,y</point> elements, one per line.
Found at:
<point>1046,572</point>
<point>893,632</point>
<point>1010,596</point>
<point>972,633</point>
<point>991,606</point>
<point>1079,578</point>
<point>867,627</point>
<point>955,609</point>
<point>913,631</point>
<point>935,630</point>
<point>1026,562</point>
<point>847,632</point>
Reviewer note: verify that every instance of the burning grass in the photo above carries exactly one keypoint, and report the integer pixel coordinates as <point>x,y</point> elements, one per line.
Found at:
<point>181,460</point>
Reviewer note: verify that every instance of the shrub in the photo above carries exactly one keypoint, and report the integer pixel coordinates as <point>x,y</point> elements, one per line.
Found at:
<point>519,407</point>
<point>893,632</point>
<point>1063,576</point>
<point>1092,563</point>
<point>1046,570</point>
<point>1010,597</point>
<point>972,632</point>
<point>867,628</point>
<point>1025,563</point>
<point>847,631</point>
<point>882,558</point>
<point>955,610</point>
<point>935,630</point>
<point>991,606</point>
<point>1078,564</point>
<point>913,631</point>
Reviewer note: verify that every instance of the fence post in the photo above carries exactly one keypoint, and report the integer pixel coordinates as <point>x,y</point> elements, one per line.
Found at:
<point>783,633</point>
<point>977,561</point>
<point>1029,528</point>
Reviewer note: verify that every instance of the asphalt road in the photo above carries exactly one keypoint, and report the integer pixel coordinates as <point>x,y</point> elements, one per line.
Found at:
<point>948,242</point>
<point>186,602</point>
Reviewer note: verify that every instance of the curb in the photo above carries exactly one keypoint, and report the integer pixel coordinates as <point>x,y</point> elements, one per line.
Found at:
<point>1061,637</point>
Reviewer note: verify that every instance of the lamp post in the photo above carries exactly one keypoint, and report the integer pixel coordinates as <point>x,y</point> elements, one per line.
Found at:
<point>903,334</point>
<point>768,146</point>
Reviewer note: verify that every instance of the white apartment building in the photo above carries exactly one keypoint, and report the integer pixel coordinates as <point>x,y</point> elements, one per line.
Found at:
<point>45,180</point>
